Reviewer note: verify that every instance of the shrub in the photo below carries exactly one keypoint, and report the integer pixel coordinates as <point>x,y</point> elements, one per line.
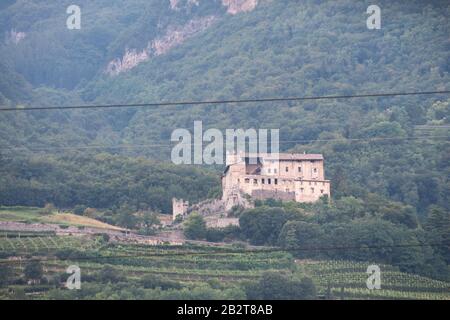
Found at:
<point>153,281</point>
<point>33,270</point>
<point>79,209</point>
<point>275,286</point>
<point>195,227</point>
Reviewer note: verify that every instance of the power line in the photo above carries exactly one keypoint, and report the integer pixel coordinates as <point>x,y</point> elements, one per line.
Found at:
<point>282,142</point>
<point>215,102</point>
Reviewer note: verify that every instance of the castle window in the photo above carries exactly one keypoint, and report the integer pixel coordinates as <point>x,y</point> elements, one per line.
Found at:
<point>255,181</point>
<point>247,180</point>
<point>263,181</point>
<point>275,181</point>
<point>269,170</point>
<point>287,169</point>
<point>274,170</point>
<point>299,169</point>
<point>269,181</point>
<point>312,190</point>
<point>321,191</point>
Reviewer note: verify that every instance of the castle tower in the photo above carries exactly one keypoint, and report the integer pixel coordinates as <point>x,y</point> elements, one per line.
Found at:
<point>179,208</point>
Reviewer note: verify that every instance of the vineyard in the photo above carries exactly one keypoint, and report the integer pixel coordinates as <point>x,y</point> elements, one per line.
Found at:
<point>195,265</point>
<point>347,279</point>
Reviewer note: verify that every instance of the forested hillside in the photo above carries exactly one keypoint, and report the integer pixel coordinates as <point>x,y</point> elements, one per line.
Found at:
<point>276,49</point>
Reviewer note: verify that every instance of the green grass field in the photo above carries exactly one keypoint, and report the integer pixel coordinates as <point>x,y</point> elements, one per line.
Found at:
<point>20,214</point>
<point>36,215</point>
<point>195,265</point>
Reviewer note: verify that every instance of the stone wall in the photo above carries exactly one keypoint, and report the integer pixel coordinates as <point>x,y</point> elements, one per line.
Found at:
<point>273,194</point>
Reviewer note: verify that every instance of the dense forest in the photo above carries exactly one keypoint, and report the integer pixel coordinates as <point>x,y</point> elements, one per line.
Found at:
<point>371,229</point>
<point>388,158</point>
<point>102,181</point>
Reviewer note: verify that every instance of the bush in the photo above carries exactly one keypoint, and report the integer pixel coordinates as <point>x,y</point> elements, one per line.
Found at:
<point>215,235</point>
<point>153,281</point>
<point>33,270</point>
<point>275,286</point>
<point>109,274</point>
<point>195,227</point>
<point>48,209</point>
<point>79,210</point>
<point>5,273</point>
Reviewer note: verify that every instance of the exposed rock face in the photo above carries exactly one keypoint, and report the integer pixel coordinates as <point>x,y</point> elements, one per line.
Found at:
<point>130,60</point>
<point>236,6</point>
<point>177,35</point>
<point>174,36</point>
<point>15,36</point>
<point>175,4</point>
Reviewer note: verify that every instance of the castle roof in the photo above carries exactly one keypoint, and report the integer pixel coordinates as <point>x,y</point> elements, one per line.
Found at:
<point>288,156</point>
<point>300,156</point>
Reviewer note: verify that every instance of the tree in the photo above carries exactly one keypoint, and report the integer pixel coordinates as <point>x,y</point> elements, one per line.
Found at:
<point>127,220</point>
<point>150,222</point>
<point>195,227</point>
<point>33,270</point>
<point>5,274</point>
<point>48,209</point>
<point>109,275</point>
<point>275,286</point>
<point>400,214</point>
<point>152,281</point>
<point>437,226</point>
<point>300,234</point>
<point>215,235</point>
<point>79,209</point>
<point>262,225</point>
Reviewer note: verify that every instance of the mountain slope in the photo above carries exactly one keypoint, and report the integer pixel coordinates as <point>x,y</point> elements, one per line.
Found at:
<point>167,51</point>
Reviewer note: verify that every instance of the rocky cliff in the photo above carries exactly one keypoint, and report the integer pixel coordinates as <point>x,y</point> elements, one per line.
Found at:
<point>175,35</point>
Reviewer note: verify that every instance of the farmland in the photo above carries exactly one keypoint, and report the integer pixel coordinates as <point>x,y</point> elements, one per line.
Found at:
<point>347,279</point>
<point>212,272</point>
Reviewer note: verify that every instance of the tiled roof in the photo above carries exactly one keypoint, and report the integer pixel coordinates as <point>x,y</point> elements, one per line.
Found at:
<point>300,156</point>
<point>289,156</point>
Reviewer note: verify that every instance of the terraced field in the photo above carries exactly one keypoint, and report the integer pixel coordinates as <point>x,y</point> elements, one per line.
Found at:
<point>347,279</point>
<point>195,265</point>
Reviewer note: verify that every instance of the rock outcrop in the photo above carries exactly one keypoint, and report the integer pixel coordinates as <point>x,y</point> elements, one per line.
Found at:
<point>237,6</point>
<point>174,36</point>
<point>177,35</point>
<point>15,36</point>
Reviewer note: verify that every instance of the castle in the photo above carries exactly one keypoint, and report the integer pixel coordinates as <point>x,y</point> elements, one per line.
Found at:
<point>284,176</point>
